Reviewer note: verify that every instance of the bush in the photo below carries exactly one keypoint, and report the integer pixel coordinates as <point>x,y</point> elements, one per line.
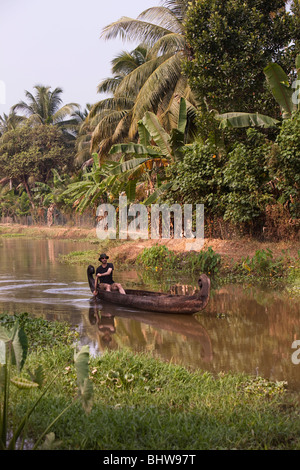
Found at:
<point>247,178</point>
<point>207,262</point>
<point>157,257</point>
<point>264,264</point>
<point>284,163</point>
<point>198,178</point>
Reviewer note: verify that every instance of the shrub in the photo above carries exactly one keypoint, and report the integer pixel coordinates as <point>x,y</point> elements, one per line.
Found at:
<point>207,262</point>
<point>284,163</point>
<point>247,179</point>
<point>157,257</point>
<point>198,178</point>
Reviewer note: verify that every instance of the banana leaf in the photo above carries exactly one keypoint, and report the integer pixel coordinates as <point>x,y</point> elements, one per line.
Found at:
<point>131,190</point>
<point>280,87</point>
<point>157,193</point>
<point>236,119</point>
<point>182,119</point>
<point>129,165</point>
<point>144,135</point>
<point>136,149</point>
<point>158,134</point>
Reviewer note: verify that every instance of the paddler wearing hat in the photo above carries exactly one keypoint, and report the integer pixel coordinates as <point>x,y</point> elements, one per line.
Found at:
<point>104,275</point>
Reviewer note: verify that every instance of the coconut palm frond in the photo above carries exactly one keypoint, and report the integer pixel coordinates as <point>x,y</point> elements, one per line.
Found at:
<point>134,30</point>
<point>164,77</point>
<point>133,82</point>
<point>106,128</point>
<point>110,104</point>
<point>45,106</point>
<point>65,111</point>
<point>164,17</point>
<point>110,84</point>
<point>122,128</point>
<point>125,62</point>
<point>10,121</point>
<point>170,43</point>
<point>178,7</point>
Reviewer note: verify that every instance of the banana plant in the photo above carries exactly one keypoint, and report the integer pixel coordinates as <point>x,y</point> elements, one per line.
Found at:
<point>283,92</point>
<point>156,149</point>
<point>99,182</point>
<point>13,351</point>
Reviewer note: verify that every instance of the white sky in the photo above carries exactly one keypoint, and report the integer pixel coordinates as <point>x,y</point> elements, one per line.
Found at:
<point>57,43</point>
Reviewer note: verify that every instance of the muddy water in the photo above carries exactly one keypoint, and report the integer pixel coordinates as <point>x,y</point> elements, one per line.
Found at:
<point>244,329</point>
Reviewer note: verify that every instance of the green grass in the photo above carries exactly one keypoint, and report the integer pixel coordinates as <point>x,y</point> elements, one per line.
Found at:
<point>141,403</point>
<point>79,257</point>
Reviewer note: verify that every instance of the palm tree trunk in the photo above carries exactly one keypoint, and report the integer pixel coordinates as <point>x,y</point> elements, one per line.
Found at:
<point>28,193</point>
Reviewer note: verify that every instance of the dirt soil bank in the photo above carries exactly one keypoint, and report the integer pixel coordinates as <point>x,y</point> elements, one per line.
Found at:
<point>234,249</point>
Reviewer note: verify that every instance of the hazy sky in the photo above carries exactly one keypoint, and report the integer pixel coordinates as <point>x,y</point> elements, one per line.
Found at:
<point>57,43</point>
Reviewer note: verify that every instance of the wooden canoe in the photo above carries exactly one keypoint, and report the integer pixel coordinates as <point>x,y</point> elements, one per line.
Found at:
<point>156,301</point>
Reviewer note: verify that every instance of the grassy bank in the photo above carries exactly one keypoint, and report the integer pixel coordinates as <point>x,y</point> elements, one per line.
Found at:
<point>44,232</point>
<point>238,260</point>
<point>262,268</point>
<point>142,403</point>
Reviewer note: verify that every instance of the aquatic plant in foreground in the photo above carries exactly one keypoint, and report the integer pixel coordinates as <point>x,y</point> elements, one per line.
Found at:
<point>13,352</point>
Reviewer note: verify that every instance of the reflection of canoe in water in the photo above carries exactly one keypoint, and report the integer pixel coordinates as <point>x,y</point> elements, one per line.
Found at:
<point>186,325</point>
<point>156,301</point>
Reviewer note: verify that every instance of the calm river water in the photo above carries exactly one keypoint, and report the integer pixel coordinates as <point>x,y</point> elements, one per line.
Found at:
<point>244,329</point>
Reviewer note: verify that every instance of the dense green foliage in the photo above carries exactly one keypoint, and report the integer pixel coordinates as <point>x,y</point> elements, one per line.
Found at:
<point>286,165</point>
<point>32,152</point>
<point>231,43</point>
<point>159,258</point>
<point>241,184</point>
<point>230,63</point>
<point>14,353</point>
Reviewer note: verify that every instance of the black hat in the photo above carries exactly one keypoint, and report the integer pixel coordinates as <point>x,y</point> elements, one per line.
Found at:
<point>103,255</point>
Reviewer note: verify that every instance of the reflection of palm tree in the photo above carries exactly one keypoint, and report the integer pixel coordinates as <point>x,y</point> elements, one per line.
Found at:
<point>45,106</point>
<point>157,83</point>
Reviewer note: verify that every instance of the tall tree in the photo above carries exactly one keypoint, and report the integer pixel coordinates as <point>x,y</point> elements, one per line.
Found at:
<point>231,43</point>
<point>10,121</point>
<point>30,153</point>
<point>158,84</point>
<point>45,106</point>
<point>110,117</point>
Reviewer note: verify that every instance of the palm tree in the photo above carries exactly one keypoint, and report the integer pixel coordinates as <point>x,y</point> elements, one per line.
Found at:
<point>123,64</point>
<point>155,151</point>
<point>138,175</point>
<point>10,121</point>
<point>110,118</point>
<point>157,84</point>
<point>84,130</point>
<point>45,107</point>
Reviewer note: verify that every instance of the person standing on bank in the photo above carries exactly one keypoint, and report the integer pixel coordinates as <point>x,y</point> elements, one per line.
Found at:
<point>104,274</point>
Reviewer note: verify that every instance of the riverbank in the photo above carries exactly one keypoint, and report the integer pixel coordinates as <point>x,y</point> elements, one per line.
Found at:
<point>141,403</point>
<point>127,251</point>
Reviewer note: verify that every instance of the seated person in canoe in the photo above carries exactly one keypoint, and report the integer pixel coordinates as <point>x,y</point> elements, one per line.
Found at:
<point>104,275</point>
